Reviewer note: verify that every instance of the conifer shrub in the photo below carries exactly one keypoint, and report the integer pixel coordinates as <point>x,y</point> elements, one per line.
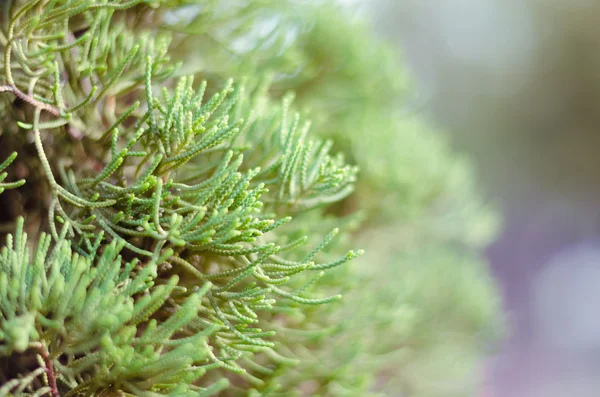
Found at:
<point>182,204</point>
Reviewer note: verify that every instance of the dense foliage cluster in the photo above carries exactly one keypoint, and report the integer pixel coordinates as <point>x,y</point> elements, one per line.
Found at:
<point>190,234</point>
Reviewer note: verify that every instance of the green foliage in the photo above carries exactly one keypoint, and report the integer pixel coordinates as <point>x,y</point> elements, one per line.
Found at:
<point>423,214</point>
<point>95,323</point>
<point>199,231</point>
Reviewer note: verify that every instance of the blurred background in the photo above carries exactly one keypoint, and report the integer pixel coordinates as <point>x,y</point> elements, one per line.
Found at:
<point>517,86</point>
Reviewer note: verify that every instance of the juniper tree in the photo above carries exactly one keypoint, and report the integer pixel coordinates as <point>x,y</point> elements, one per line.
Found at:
<point>181,228</point>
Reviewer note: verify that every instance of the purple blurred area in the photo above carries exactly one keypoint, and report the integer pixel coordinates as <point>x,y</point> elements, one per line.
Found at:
<point>517,85</point>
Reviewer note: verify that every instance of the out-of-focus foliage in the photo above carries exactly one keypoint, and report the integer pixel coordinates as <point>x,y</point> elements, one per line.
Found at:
<point>233,203</point>
<point>355,90</point>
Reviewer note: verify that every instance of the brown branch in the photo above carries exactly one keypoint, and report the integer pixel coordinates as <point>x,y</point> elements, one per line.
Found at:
<point>30,99</point>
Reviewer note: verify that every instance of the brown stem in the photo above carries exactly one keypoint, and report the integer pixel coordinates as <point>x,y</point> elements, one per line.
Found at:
<point>30,99</point>
<point>49,370</point>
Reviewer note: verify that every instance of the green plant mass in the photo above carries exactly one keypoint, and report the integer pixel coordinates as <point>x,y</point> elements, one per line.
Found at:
<point>185,187</point>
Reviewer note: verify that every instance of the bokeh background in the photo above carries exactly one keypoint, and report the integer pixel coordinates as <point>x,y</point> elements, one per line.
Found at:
<point>516,84</point>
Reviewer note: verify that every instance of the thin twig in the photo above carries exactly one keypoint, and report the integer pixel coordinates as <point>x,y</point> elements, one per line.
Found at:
<point>30,99</point>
